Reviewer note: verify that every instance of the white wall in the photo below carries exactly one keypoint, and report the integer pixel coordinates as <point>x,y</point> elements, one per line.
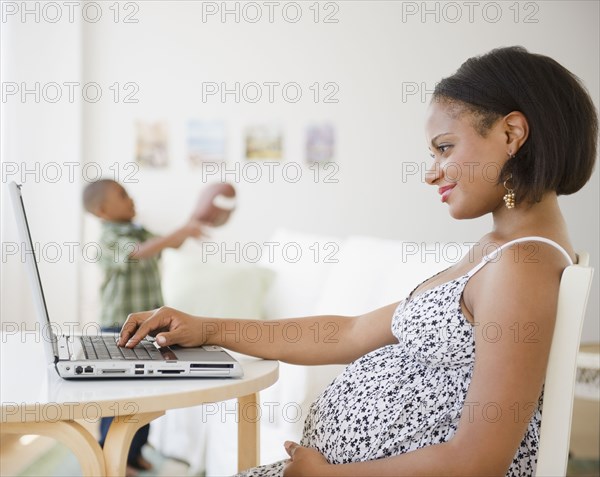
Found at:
<point>370,53</point>
<point>40,134</point>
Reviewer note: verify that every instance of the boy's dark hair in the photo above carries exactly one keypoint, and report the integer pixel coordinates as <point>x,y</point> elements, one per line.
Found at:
<point>94,194</point>
<point>560,152</point>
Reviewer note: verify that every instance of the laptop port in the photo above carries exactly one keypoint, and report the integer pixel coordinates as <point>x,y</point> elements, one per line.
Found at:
<point>211,365</point>
<point>169,371</point>
<point>139,366</point>
<point>79,370</point>
<point>89,369</point>
<point>139,371</point>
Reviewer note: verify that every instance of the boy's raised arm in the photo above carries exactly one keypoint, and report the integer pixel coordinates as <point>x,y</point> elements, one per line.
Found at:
<point>155,245</point>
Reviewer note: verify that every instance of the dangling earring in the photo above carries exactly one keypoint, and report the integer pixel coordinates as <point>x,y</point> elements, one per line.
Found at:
<point>509,197</point>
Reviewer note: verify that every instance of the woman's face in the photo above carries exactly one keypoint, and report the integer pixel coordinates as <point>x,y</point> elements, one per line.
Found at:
<point>465,165</point>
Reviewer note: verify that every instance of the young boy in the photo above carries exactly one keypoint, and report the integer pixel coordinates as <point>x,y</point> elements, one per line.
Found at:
<point>131,276</point>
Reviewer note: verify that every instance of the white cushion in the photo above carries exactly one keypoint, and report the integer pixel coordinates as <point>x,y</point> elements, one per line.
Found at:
<point>375,272</point>
<point>298,284</point>
<point>210,289</point>
<point>214,289</point>
<point>294,292</point>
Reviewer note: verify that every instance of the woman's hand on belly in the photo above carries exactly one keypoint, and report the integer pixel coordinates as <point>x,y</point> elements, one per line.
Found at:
<point>305,461</point>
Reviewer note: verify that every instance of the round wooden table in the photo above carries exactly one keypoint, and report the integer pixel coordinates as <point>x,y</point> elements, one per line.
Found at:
<point>35,400</point>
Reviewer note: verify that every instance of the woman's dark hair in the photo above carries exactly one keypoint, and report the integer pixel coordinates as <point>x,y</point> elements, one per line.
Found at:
<point>560,152</point>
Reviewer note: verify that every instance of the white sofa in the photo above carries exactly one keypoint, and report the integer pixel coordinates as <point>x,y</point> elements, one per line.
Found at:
<point>348,277</point>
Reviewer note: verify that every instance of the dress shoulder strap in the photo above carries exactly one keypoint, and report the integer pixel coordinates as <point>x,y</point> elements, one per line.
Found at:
<point>491,256</point>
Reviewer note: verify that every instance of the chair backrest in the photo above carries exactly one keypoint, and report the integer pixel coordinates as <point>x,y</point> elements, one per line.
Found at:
<point>559,388</point>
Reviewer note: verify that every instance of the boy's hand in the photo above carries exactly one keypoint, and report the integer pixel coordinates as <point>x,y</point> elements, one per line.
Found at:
<point>193,228</point>
<point>168,325</point>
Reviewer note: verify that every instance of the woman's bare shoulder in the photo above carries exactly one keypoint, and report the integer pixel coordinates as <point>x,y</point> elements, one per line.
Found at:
<point>536,263</point>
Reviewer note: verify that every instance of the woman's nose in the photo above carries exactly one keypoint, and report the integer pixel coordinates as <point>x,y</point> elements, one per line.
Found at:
<point>433,173</point>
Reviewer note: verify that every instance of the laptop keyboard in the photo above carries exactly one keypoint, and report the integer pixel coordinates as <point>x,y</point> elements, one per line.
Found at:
<point>105,347</point>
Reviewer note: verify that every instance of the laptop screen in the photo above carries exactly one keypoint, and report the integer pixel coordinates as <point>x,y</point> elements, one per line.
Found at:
<point>47,333</point>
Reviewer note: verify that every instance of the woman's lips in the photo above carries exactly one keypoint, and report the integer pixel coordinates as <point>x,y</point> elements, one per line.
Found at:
<point>446,191</point>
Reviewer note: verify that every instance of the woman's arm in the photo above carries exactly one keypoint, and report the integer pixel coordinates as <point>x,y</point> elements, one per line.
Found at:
<point>329,339</point>
<point>515,311</point>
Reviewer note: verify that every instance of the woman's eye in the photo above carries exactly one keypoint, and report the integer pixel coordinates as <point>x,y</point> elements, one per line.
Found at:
<point>442,148</point>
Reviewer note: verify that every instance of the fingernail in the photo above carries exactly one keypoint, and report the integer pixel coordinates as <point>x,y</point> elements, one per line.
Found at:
<point>161,340</point>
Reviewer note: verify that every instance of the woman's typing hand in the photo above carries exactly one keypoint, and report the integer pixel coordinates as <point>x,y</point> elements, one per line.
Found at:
<point>168,325</point>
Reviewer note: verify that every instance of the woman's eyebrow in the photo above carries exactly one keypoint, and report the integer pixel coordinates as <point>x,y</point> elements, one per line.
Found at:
<point>438,136</point>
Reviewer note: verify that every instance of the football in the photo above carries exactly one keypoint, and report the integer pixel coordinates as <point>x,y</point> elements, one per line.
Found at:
<point>213,206</point>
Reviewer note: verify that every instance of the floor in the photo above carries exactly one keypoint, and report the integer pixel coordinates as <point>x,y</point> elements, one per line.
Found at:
<point>59,461</point>
<point>56,460</point>
<point>42,456</point>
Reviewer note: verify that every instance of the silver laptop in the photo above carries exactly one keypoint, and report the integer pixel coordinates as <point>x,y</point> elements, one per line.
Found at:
<point>98,356</point>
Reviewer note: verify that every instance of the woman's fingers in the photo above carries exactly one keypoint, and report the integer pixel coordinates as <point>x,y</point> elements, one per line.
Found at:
<point>290,448</point>
<point>169,337</point>
<point>131,325</point>
<point>170,326</point>
<point>142,324</point>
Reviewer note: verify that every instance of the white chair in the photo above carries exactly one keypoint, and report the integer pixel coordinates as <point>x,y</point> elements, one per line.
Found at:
<point>559,389</point>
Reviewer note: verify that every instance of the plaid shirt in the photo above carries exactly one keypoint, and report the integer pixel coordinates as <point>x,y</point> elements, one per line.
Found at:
<point>129,285</point>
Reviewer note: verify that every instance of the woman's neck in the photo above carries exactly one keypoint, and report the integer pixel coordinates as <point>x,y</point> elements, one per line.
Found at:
<point>542,217</point>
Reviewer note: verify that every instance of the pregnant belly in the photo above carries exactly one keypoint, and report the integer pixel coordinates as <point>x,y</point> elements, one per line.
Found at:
<point>382,399</point>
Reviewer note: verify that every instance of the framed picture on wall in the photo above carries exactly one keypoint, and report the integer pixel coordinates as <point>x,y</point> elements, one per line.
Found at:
<point>264,141</point>
<point>206,141</point>
<point>152,143</point>
<point>320,143</point>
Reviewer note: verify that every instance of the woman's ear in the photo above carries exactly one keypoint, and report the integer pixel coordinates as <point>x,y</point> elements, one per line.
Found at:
<point>517,130</point>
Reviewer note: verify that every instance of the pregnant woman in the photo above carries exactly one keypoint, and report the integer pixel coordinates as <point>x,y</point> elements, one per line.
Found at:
<point>429,389</point>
